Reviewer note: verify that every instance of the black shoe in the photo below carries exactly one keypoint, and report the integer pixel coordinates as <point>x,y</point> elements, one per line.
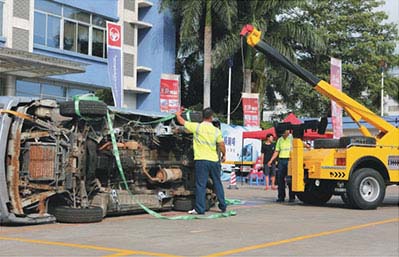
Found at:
<point>222,208</point>
<point>279,200</point>
<point>291,200</point>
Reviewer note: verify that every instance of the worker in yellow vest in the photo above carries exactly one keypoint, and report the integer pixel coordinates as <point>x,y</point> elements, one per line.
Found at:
<point>206,139</point>
<point>282,151</point>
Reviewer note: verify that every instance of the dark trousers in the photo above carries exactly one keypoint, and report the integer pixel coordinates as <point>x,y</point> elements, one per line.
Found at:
<point>281,175</point>
<point>203,169</point>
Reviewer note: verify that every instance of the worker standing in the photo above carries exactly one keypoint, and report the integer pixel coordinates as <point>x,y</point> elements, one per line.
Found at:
<point>206,138</point>
<point>282,151</point>
<point>268,149</point>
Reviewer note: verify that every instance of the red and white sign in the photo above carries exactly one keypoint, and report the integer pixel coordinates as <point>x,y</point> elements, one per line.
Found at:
<point>250,107</point>
<point>115,61</point>
<point>114,32</point>
<point>336,111</point>
<point>169,97</point>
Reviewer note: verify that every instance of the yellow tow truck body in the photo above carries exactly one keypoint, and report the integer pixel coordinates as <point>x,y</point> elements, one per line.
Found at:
<point>357,168</point>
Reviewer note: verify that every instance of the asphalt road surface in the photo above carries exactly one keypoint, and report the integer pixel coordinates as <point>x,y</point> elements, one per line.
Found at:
<point>260,228</point>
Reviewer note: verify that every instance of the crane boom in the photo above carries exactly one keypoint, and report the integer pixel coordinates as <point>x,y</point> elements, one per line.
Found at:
<point>353,108</point>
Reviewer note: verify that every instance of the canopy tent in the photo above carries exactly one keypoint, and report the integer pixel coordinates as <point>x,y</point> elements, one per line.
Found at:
<point>291,118</point>
<point>260,134</point>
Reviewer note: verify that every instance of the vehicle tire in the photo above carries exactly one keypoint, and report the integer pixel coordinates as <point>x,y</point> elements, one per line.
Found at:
<point>193,116</point>
<point>67,214</point>
<point>183,203</point>
<point>314,197</point>
<point>188,203</point>
<point>87,109</point>
<point>345,141</point>
<point>366,189</point>
<point>325,143</point>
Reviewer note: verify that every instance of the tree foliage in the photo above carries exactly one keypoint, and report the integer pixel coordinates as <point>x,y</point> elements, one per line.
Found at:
<point>308,32</point>
<point>355,32</point>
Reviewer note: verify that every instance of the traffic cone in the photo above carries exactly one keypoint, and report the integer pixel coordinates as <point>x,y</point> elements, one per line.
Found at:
<point>233,181</point>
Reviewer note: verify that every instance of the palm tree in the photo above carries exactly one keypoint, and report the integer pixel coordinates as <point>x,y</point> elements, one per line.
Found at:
<point>275,19</point>
<point>196,16</point>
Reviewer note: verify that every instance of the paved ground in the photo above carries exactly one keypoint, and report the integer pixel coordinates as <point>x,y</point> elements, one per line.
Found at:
<point>261,228</point>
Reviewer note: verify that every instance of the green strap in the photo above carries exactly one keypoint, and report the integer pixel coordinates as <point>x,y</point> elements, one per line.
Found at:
<point>166,118</point>
<point>188,116</point>
<point>233,202</point>
<point>149,211</point>
<point>77,110</point>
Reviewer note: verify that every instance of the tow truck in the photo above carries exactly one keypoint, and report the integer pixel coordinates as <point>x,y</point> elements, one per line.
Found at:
<point>358,168</point>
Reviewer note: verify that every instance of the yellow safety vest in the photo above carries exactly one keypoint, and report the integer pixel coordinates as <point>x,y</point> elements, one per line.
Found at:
<point>283,146</point>
<point>205,138</point>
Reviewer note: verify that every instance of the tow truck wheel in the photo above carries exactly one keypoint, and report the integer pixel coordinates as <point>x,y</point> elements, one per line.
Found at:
<point>366,189</point>
<point>314,197</point>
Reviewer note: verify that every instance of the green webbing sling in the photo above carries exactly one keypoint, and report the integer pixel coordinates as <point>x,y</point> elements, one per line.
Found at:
<point>91,97</point>
<point>149,211</point>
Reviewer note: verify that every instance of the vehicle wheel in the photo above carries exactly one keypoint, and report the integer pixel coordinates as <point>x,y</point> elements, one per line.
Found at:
<point>188,203</point>
<point>86,108</point>
<point>67,214</point>
<point>366,189</point>
<point>325,143</point>
<point>183,203</point>
<point>314,197</point>
<point>345,141</point>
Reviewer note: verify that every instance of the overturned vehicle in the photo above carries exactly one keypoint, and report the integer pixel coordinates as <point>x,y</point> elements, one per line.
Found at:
<point>57,162</point>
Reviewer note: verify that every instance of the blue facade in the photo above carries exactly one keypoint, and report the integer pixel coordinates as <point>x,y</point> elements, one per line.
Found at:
<point>156,50</point>
<point>96,69</point>
<point>75,30</point>
<point>107,8</point>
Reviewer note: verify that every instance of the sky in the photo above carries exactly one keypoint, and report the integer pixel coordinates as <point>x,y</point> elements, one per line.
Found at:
<point>391,7</point>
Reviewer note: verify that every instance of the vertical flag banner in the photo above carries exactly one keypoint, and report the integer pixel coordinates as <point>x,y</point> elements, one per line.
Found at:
<point>169,95</point>
<point>336,111</point>
<point>250,107</point>
<point>114,53</point>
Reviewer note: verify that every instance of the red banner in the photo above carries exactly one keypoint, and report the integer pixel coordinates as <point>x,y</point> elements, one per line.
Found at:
<point>169,93</point>
<point>114,34</point>
<point>250,106</point>
<point>336,111</point>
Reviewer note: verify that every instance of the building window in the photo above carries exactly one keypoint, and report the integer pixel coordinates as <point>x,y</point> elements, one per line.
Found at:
<point>393,108</point>
<point>69,28</point>
<point>47,91</point>
<point>1,17</point>
<point>98,43</point>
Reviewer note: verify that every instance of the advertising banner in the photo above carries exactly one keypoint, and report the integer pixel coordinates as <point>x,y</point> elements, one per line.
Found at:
<point>235,150</point>
<point>115,69</point>
<point>169,96</point>
<point>250,107</point>
<point>336,111</point>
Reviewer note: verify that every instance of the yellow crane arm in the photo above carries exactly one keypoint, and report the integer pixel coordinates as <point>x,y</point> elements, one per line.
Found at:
<point>353,108</point>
